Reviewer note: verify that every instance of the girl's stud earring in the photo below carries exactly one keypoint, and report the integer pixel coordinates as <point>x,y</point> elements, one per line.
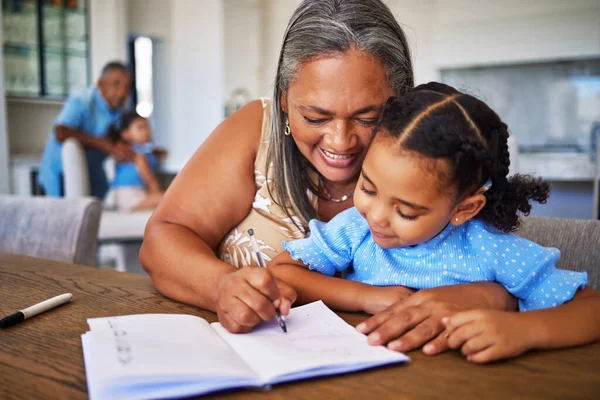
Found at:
<point>456,219</point>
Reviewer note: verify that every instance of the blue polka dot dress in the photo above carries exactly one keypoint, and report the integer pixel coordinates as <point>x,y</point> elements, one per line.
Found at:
<point>471,252</point>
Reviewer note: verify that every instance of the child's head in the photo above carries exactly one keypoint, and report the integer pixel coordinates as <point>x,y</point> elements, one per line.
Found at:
<point>131,128</point>
<point>428,165</point>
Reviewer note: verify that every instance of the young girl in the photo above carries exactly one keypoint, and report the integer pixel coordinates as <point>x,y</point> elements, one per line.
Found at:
<point>433,207</point>
<point>135,187</point>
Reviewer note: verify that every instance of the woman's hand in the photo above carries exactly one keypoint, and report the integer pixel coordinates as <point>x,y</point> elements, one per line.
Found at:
<point>378,298</point>
<point>417,320</point>
<point>488,335</point>
<point>249,296</point>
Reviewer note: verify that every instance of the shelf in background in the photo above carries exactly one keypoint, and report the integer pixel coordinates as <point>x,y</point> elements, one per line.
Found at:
<point>35,100</point>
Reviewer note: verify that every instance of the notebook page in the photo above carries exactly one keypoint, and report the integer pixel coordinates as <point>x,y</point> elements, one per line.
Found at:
<point>316,338</point>
<point>130,356</point>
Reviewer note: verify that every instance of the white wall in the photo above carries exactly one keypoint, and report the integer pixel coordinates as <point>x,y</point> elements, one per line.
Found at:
<point>29,125</point>
<point>4,143</point>
<point>152,18</point>
<point>108,33</point>
<point>197,99</point>
<point>274,19</point>
<point>242,46</point>
<point>452,33</point>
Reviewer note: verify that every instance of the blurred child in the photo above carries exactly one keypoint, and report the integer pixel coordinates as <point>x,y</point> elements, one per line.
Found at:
<point>135,186</point>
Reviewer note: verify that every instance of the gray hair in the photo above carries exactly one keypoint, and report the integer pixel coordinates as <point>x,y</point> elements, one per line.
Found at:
<point>319,28</point>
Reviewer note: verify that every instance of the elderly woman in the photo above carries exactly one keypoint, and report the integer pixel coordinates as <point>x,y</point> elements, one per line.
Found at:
<point>274,165</point>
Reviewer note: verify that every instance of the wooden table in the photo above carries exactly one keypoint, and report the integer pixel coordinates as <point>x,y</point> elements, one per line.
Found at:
<point>41,358</point>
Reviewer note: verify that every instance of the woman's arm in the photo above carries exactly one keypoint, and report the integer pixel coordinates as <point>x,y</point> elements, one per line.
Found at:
<point>484,335</point>
<point>143,167</point>
<point>337,293</point>
<point>212,194</point>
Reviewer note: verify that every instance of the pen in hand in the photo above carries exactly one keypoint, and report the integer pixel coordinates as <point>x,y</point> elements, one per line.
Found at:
<point>261,263</point>
<point>36,309</point>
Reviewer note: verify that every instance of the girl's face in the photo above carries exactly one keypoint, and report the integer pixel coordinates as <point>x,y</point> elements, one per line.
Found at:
<point>138,132</point>
<point>333,104</point>
<point>399,194</point>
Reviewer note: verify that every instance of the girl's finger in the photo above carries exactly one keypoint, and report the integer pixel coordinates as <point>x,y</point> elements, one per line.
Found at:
<point>489,354</point>
<point>476,344</point>
<point>454,321</point>
<point>463,333</point>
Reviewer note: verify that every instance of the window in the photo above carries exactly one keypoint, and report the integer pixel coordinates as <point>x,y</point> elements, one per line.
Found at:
<point>46,47</point>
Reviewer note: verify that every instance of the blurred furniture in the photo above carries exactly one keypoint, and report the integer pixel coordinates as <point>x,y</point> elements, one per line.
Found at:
<point>117,229</point>
<point>577,240</point>
<point>56,229</point>
<point>46,47</point>
<point>43,354</point>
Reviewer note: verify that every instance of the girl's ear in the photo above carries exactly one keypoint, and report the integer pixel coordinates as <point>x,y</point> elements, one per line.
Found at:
<point>468,208</point>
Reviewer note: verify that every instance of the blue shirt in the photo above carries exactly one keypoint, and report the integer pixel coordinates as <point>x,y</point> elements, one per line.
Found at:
<point>126,173</point>
<point>87,112</point>
<point>471,252</point>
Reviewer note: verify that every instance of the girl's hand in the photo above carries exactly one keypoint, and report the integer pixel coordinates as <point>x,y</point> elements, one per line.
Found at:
<point>417,320</point>
<point>249,296</point>
<point>488,335</point>
<point>378,298</point>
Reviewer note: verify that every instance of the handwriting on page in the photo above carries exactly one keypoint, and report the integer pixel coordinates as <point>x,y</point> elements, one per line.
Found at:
<point>123,347</point>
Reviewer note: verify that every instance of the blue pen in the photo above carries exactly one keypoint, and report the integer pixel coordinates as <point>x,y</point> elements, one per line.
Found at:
<point>261,263</point>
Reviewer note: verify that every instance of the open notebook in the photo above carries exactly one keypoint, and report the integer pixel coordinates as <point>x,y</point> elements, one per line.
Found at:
<point>149,356</point>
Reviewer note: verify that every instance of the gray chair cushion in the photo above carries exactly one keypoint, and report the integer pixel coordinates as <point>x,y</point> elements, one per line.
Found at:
<point>56,229</point>
<point>577,240</point>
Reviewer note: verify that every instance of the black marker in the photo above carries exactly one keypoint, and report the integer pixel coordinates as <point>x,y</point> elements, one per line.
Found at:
<point>39,308</point>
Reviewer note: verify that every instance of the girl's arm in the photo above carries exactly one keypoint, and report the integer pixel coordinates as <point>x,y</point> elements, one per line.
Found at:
<point>337,293</point>
<point>485,336</point>
<point>143,167</point>
<point>574,323</point>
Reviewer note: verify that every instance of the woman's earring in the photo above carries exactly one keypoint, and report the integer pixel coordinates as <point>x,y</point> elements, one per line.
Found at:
<point>287,131</point>
<point>456,219</point>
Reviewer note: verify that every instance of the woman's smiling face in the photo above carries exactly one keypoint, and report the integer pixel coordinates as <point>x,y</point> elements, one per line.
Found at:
<point>333,104</point>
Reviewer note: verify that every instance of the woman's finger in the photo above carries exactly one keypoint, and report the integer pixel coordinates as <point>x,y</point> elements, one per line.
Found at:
<point>374,322</point>
<point>396,325</point>
<point>287,297</point>
<point>418,335</point>
<point>240,313</point>
<point>262,280</point>
<point>230,324</point>
<point>257,302</point>
<point>437,345</point>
